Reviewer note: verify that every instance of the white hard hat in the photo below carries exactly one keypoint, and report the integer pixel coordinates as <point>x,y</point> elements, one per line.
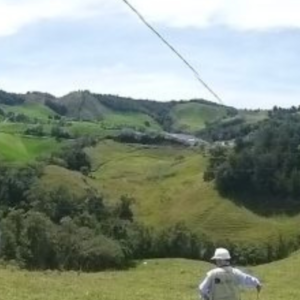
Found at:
<point>221,253</point>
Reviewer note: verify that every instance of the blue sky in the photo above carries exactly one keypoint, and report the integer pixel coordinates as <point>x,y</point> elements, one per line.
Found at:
<point>247,51</point>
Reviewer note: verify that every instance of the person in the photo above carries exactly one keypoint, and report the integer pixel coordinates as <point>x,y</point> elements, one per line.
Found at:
<point>223,282</point>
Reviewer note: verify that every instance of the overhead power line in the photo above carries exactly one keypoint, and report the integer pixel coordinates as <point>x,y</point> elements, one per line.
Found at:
<point>172,48</point>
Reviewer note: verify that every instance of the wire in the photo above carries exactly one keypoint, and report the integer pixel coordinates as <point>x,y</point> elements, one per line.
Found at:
<point>188,64</point>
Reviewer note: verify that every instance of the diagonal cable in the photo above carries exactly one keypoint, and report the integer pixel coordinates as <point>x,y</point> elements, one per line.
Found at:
<point>184,60</point>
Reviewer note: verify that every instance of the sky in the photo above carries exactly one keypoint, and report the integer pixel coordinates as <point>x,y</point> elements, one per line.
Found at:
<point>246,50</point>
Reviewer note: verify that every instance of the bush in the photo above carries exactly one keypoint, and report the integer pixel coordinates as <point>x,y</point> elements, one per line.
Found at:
<point>74,158</point>
<point>59,132</point>
<point>37,130</point>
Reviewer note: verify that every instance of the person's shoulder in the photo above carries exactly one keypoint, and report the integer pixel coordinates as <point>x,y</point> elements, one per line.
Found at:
<point>238,272</point>
<point>215,271</point>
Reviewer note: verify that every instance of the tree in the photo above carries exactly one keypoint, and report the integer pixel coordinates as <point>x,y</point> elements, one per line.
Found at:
<point>11,233</point>
<point>262,170</point>
<point>57,107</point>
<point>37,242</point>
<point>59,132</point>
<point>37,130</point>
<point>15,182</point>
<point>75,158</point>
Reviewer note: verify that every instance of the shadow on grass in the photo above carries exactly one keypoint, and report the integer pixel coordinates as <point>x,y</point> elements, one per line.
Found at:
<point>266,205</point>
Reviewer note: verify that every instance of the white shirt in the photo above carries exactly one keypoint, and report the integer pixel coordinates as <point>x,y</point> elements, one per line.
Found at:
<point>224,283</point>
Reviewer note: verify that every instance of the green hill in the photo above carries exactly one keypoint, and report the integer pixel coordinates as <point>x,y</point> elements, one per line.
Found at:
<point>155,279</point>
<point>167,185</point>
<point>31,110</point>
<point>193,116</point>
<point>114,112</point>
<point>129,119</point>
<point>165,181</point>
<point>82,106</point>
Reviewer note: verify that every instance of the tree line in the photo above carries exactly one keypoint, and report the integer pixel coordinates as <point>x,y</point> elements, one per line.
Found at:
<point>262,170</point>
<point>10,99</point>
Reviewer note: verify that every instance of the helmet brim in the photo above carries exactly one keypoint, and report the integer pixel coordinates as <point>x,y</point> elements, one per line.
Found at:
<point>219,258</point>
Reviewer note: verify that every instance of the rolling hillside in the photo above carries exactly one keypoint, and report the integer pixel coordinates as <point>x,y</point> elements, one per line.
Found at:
<point>166,182</point>
<point>167,185</point>
<point>193,116</point>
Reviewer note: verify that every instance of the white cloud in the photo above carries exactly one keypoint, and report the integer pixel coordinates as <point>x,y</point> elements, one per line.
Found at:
<point>15,14</point>
<point>239,14</point>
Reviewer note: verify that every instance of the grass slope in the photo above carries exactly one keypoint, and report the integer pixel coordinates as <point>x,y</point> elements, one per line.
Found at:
<point>113,122</point>
<point>192,116</point>
<point>31,110</point>
<point>20,149</point>
<point>253,116</point>
<point>86,128</point>
<point>13,128</point>
<point>55,176</point>
<point>158,279</point>
<point>168,187</point>
<point>132,119</point>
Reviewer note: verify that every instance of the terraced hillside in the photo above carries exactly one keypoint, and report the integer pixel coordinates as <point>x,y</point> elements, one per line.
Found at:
<point>154,279</point>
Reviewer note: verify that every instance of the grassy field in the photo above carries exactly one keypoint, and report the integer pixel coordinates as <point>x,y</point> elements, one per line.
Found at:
<point>253,116</point>
<point>193,116</point>
<point>133,119</point>
<point>54,176</point>
<point>168,187</point>
<point>13,128</point>
<point>157,279</point>
<point>86,128</point>
<point>19,149</point>
<point>114,121</point>
<point>31,110</point>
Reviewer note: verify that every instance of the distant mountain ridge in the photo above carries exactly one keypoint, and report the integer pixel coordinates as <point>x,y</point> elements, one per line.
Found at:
<point>180,116</point>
